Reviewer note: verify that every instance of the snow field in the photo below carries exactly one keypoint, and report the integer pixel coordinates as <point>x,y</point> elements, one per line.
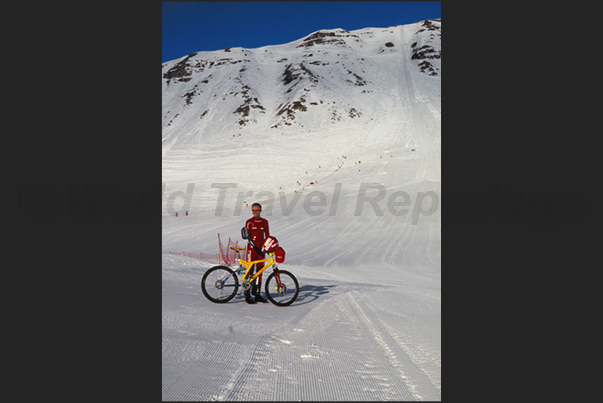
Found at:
<point>337,342</point>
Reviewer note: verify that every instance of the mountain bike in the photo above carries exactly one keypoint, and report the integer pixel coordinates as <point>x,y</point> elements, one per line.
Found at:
<point>221,283</point>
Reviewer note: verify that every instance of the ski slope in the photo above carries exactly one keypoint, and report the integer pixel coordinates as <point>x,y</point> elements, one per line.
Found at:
<point>354,201</point>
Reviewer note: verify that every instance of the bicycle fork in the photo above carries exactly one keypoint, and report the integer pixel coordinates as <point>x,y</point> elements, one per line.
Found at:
<point>277,277</point>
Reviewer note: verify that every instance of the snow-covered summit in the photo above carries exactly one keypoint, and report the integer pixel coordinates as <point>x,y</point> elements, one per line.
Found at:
<point>330,77</point>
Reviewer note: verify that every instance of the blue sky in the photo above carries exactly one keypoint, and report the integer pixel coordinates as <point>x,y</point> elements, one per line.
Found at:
<point>197,26</point>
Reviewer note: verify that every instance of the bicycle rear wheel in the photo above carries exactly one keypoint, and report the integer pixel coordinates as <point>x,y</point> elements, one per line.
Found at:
<point>219,284</point>
<point>282,288</point>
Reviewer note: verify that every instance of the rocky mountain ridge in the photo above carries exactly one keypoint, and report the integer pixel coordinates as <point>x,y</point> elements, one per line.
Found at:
<point>327,78</point>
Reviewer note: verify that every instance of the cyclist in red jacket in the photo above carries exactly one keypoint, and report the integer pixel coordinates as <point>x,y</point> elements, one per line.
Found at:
<point>257,228</point>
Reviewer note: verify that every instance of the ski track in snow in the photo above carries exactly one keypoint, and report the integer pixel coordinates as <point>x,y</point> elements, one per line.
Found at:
<point>366,325</point>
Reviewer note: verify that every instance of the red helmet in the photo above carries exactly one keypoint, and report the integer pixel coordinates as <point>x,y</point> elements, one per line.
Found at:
<point>270,244</point>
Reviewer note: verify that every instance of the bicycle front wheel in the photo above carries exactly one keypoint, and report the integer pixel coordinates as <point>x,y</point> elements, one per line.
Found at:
<point>282,288</point>
<point>219,284</point>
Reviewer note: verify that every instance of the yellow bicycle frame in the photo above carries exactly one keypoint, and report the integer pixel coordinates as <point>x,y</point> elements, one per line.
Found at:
<point>249,265</point>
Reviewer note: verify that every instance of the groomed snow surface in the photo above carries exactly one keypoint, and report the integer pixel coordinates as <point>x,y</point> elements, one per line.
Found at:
<point>363,240</point>
<point>341,340</point>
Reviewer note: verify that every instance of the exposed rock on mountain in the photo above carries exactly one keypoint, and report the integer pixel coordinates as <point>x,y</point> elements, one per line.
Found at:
<point>330,77</point>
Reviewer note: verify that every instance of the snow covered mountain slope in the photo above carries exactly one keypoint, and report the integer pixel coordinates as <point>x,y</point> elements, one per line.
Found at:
<point>338,136</point>
<point>331,76</point>
<point>333,107</point>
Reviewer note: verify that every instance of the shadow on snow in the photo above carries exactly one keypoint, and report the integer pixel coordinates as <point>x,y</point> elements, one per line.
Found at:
<point>310,293</point>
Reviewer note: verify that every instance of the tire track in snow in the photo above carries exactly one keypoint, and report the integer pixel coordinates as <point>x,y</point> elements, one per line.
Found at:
<point>254,379</point>
<point>414,378</point>
<point>237,387</point>
<point>185,363</point>
<point>376,373</point>
<point>429,365</point>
